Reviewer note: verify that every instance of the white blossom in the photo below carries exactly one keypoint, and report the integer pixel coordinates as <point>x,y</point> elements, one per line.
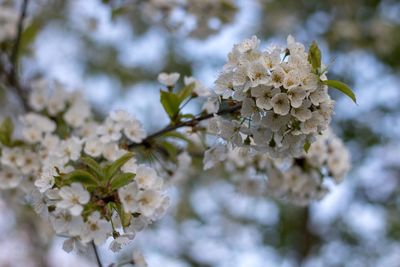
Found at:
<point>168,79</point>
<point>73,198</point>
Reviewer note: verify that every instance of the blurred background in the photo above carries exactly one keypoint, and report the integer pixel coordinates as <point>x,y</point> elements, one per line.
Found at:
<point>113,51</point>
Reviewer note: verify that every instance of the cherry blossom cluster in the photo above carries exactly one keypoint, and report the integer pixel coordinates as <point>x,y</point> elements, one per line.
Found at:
<point>78,173</point>
<point>296,180</point>
<point>284,103</point>
<point>207,16</point>
<point>305,178</point>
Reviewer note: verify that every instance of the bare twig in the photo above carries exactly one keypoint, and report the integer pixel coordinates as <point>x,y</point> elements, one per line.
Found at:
<point>11,73</point>
<point>17,42</point>
<point>192,122</point>
<point>96,253</point>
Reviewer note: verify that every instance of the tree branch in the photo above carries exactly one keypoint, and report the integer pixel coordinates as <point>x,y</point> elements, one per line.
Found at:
<point>11,74</point>
<point>192,122</point>
<point>96,253</point>
<point>17,42</point>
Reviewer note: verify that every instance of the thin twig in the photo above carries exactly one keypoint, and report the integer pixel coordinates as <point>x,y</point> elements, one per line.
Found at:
<point>96,253</point>
<point>17,42</point>
<point>192,122</point>
<point>11,73</point>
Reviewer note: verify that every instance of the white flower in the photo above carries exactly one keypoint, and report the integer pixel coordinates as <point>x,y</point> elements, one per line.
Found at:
<point>147,178</point>
<point>138,259</point>
<point>168,79</point>
<point>263,95</point>
<point>248,44</point>
<point>65,223</point>
<point>212,104</point>
<point>120,116</point>
<point>73,197</point>
<point>46,180</point>
<point>258,74</point>
<point>38,98</point>
<point>213,156</point>
<point>9,178</point>
<point>280,103</point>
<point>296,96</point>
<point>96,229</point>
<point>117,244</point>
<point>128,196</point>
<point>311,125</point>
<point>109,131</point>
<point>93,147</point>
<point>130,166</point>
<point>149,201</point>
<point>199,89</point>
<point>77,114</point>
<point>57,101</point>
<point>112,152</point>
<point>39,122</point>
<point>248,107</point>
<point>302,113</point>
<point>134,131</point>
<point>70,149</point>
<point>278,76</point>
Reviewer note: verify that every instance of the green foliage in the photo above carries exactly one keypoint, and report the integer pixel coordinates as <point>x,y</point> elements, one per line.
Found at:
<point>125,217</point>
<point>172,102</point>
<point>121,180</point>
<point>314,56</point>
<point>94,167</point>
<point>6,131</point>
<point>112,169</point>
<point>81,176</point>
<point>344,88</point>
<point>307,146</point>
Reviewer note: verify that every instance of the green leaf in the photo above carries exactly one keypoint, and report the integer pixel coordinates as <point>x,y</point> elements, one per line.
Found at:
<point>112,169</point>
<point>314,56</point>
<point>307,146</point>
<point>185,92</point>
<point>30,33</point>
<point>170,102</point>
<point>125,217</point>
<point>344,88</point>
<point>177,135</point>
<point>6,131</point>
<point>121,180</point>
<point>188,116</point>
<point>81,176</point>
<point>169,148</point>
<point>94,167</point>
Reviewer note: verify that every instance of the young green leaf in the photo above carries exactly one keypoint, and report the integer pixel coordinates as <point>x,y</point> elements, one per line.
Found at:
<point>124,217</point>
<point>344,88</point>
<point>314,56</point>
<point>112,169</point>
<point>170,102</point>
<point>6,131</point>
<point>81,176</point>
<point>121,180</point>
<point>185,92</point>
<point>177,135</point>
<point>307,146</point>
<point>94,167</point>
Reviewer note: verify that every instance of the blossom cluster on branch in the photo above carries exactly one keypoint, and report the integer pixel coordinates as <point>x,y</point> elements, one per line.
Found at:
<point>270,111</point>
<point>76,171</point>
<point>284,102</point>
<point>297,180</point>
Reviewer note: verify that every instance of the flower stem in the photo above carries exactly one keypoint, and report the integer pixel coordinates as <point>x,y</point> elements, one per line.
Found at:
<point>96,253</point>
